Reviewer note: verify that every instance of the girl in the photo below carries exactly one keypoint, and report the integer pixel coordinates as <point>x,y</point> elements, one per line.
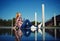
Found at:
<point>17,30</point>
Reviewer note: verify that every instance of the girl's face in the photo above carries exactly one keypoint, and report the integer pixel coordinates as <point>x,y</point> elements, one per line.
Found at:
<point>19,21</point>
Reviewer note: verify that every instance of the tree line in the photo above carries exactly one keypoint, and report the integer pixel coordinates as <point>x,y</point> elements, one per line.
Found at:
<point>4,22</point>
<point>9,22</point>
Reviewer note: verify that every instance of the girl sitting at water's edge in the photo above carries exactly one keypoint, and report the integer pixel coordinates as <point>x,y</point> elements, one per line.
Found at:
<point>19,24</point>
<point>16,28</point>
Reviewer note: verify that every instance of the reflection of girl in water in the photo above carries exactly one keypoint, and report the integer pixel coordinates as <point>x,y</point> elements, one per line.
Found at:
<point>19,24</point>
<point>17,30</point>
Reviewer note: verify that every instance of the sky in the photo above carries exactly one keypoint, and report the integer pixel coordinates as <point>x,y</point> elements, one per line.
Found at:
<point>9,8</point>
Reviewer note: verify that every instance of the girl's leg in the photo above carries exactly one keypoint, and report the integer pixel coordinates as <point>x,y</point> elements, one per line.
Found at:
<point>20,34</point>
<point>16,36</point>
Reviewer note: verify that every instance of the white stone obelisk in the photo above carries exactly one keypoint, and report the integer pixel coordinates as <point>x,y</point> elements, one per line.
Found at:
<point>43,16</point>
<point>35,25</point>
<point>43,21</point>
<point>54,20</point>
<point>55,24</point>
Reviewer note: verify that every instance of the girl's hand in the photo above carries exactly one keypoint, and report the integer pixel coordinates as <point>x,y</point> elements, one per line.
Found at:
<point>14,28</point>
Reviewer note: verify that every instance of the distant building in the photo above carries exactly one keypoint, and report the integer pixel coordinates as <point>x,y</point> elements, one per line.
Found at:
<point>51,22</point>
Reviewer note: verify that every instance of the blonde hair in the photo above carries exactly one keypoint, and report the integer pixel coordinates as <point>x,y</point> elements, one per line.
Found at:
<point>18,15</point>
